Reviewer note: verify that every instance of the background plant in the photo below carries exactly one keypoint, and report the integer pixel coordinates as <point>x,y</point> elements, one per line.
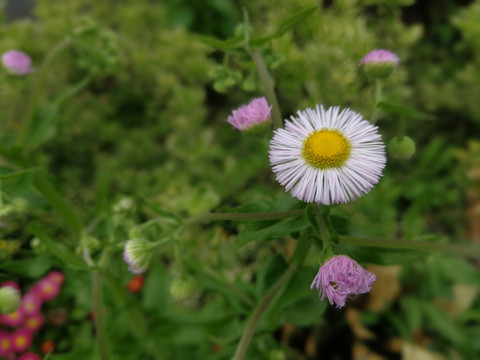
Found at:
<point>125,132</point>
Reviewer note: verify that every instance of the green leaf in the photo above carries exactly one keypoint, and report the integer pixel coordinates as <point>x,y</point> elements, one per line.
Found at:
<point>9,173</point>
<point>155,292</point>
<point>405,112</point>
<point>160,211</point>
<point>238,41</point>
<point>284,26</point>
<point>34,267</point>
<point>304,312</point>
<point>270,272</point>
<point>229,44</point>
<point>442,324</point>
<point>413,311</point>
<point>59,250</point>
<point>46,118</point>
<point>377,255</point>
<point>269,230</point>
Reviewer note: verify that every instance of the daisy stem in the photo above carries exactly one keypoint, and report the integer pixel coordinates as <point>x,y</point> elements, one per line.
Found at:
<point>463,250</point>
<point>298,257</point>
<point>327,246</point>
<point>98,311</point>
<point>377,99</point>
<point>268,85</point>
<point>276,215</point>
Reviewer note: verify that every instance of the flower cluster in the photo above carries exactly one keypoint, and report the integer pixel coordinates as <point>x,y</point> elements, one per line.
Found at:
<point>27,319</point>
<point>341,277</point>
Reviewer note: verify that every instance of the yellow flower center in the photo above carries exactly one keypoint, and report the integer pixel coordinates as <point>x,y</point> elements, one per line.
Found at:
<point>20,341</point>
<point>326,149</point>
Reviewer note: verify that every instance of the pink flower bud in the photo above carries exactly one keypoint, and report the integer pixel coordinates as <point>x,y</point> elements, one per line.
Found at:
<point>249,116</point>
<point>340,277</point>
<point>17,62</point>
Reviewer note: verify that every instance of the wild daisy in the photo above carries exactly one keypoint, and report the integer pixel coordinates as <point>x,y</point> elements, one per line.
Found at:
<point>327,156</point>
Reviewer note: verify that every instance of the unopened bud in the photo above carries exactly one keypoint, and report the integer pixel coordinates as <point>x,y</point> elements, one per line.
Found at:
<point>401,147</point>
<point>182,287</point>
<point>9,299</point>
<point>379,63</point>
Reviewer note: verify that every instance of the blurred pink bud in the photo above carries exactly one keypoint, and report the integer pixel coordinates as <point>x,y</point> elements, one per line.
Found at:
<point>17,62</point>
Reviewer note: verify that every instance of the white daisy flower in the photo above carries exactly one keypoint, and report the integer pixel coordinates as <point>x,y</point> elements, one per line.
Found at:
<point>327,156</point>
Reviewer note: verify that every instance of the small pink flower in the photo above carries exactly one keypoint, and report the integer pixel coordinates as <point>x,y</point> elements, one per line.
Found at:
<point>46,289</point>
<point>17,62</point>
<point>380,57</point>
<point>31,303</point>
<point>255,113</point>
<point>13,319</point>
<point>30,356</point>
<point>379,63</point>
<point>6,344</point>
<point>56,276</point>
<point>22,340</point>
<point>34,322</point>
<point>340,277</point>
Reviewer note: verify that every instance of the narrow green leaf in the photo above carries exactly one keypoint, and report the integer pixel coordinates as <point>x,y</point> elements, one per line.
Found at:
<point>160,211</point>
<point>377,255</point>
<point>229,44</point>
<point>400,110</point>
<point>270,272</point>
<point>442,324</point>
<point>284,26</point>
<point>58,249</point>
<point>34,267</point>
<point>269,230</point>
<point>8,173</point>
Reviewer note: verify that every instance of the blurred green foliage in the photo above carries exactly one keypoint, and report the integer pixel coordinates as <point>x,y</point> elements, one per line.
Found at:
<point>136,107</point>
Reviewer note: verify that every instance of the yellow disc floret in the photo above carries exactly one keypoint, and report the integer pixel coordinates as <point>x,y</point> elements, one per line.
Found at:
<point>325,149</point>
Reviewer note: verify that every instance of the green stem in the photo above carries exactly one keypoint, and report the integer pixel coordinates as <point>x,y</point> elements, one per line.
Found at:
<point>463,250</point>
<point>38,88</point>
<point>98,311</point>
<point>268,86</point>
<point>63,208</point>
<point>377,99</point>
<point>276,215</point>
<point>298,257</point>
<point>327,245</point>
